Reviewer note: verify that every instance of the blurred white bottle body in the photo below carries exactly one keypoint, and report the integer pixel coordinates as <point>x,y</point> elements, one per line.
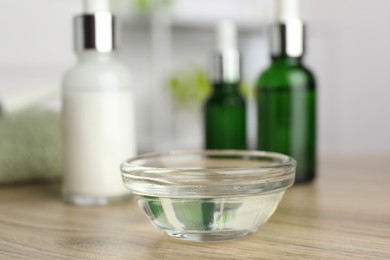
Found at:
<point>98,129</point>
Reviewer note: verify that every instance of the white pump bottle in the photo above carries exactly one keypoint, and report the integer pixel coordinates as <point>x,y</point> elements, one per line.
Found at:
<point>98,116</point>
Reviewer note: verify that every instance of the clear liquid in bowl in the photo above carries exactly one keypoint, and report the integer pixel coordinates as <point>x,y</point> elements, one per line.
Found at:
<point>210,219</point>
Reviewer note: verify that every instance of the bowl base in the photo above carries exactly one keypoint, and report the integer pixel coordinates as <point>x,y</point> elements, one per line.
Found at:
<point>81,200</point>
<point>210,236</point>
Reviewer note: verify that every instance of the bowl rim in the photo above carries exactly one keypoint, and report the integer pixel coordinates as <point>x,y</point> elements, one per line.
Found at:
<point>208,182</point>
<point>289,161</point>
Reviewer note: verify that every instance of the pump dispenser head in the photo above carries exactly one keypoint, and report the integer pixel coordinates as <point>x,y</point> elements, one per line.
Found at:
<point>226,65</point>
<point>287,34</point>
<point>95,29</point>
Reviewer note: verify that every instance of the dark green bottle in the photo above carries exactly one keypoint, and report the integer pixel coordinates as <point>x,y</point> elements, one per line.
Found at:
<point>225,118</point>
<point>286,101</point>
<point>225,110</point>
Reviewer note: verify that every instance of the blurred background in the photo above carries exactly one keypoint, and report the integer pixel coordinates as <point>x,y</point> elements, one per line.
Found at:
<point>166,45</point>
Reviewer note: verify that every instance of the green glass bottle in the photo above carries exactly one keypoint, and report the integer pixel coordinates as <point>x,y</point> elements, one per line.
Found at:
<point>287,101</point>
<point>225,118</point>
<point>225,110</point>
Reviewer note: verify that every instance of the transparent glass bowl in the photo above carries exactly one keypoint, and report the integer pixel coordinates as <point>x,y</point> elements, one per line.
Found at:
<point>209,195</point>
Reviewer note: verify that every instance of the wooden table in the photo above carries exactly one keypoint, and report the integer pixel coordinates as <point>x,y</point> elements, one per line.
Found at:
<point>345,214</point>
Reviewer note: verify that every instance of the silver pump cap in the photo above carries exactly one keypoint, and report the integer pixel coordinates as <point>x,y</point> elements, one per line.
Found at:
<point>288,38</point>
<point>95,32</point>
<point>226,66</point>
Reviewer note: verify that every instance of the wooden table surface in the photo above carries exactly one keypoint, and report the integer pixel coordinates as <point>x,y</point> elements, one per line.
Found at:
<point>345,214</point>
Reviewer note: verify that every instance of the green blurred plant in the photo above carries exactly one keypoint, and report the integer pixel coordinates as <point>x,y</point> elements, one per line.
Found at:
<point>190,87</point>
<point>145,6</point>
<point>245,90</point>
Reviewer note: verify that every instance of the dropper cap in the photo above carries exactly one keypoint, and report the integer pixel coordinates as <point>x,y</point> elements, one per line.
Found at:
<point>94,6</point>
<point>287,34</point>
<point>226,65</point>
<point>95,29</point>
<point>226,35</point>
<point>287,10</point>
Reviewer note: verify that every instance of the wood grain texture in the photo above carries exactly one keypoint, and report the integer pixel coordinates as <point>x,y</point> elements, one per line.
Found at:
<point>345,214</point>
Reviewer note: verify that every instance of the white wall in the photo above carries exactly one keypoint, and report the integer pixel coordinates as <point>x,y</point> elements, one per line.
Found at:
<point>348,48</point>
<point>35,44</point>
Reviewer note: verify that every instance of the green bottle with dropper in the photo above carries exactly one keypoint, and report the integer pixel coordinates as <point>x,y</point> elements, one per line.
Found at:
<point>225,110</point>
<point>286,97</point>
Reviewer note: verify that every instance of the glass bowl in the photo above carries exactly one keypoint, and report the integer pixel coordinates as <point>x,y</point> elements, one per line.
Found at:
<point>209,195</point>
